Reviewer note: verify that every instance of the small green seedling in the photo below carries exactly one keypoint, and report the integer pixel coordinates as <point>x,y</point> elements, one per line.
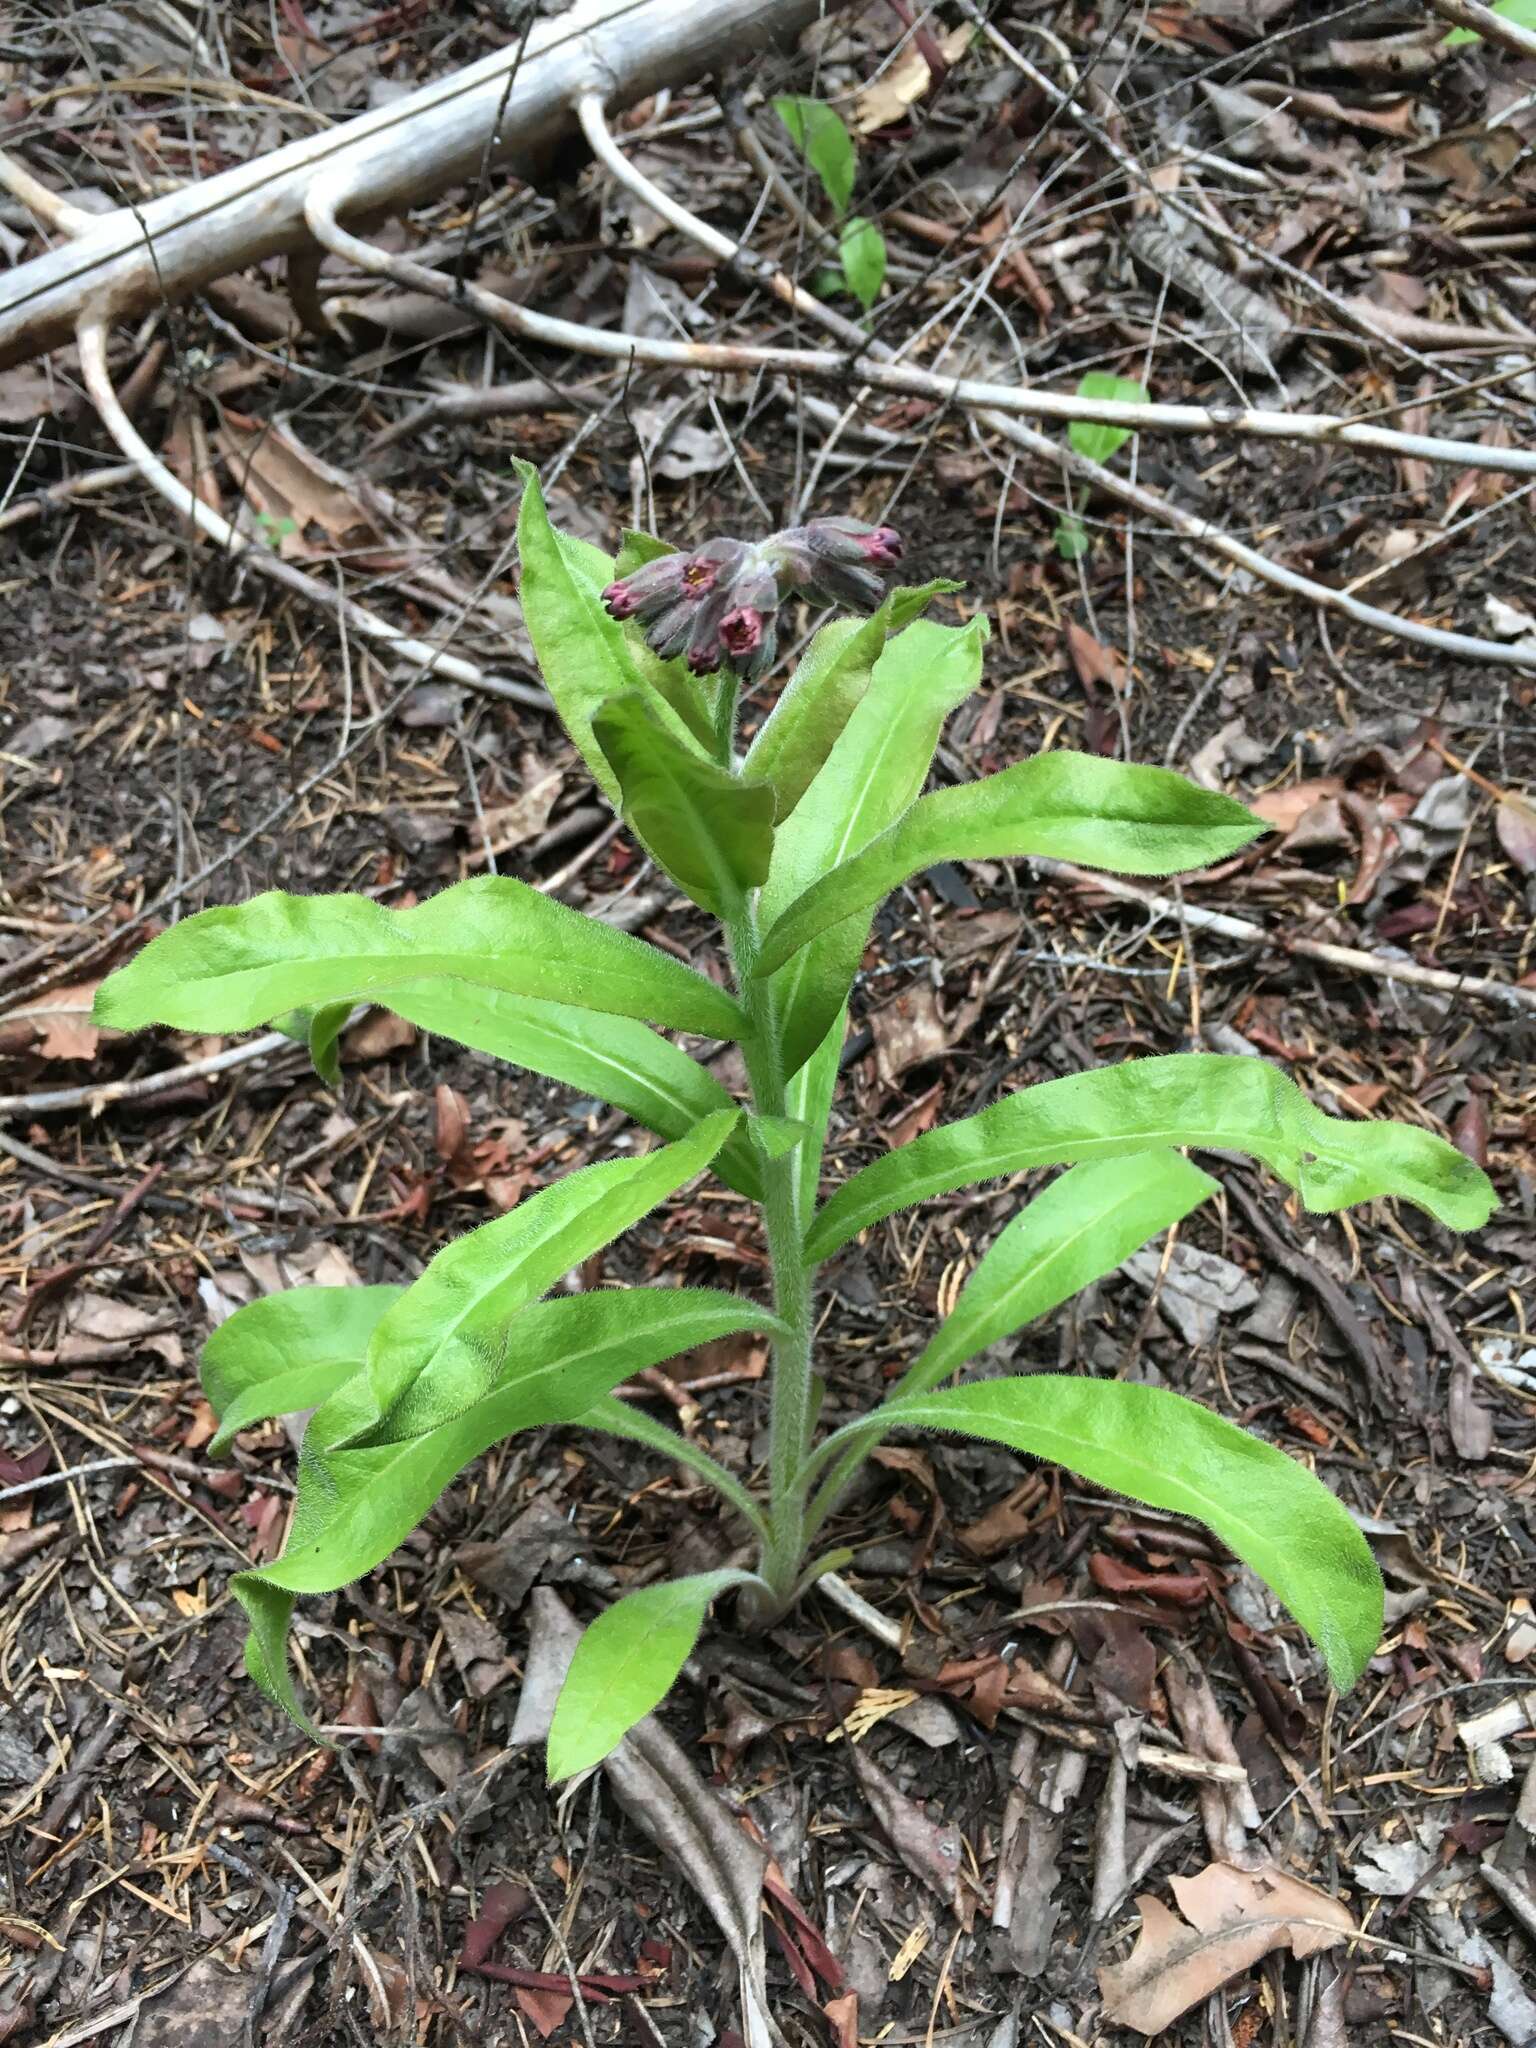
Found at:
<point>822,136</point>
<point>1098,443</point>
<point>790,848</point>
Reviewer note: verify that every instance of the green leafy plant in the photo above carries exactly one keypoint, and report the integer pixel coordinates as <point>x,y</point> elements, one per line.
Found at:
<point>821,135</point>
<point>790,848</point>
<point>1098,442</point>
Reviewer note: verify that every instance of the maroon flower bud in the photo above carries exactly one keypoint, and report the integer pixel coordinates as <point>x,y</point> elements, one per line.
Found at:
<point>849,540</point>
<point>838,560</point>
<point>741,632</point>
<point>716,605</point>
<point>648,590</point>
<point>668,634</point>
<point>750,641</point>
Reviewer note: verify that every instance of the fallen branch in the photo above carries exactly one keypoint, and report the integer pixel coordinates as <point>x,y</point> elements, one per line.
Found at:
<point>1353,959</point>
<point>96,1095</point>
<point>513,107</point>
<point>1493,28</point>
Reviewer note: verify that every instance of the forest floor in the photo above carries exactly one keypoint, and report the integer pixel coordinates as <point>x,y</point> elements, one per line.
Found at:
<point>1051,1705</point>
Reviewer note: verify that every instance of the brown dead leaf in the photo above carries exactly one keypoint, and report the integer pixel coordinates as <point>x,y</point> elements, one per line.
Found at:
<point>514,824</point>
<point>377,1035</point>
<point>908,1033</point>
<point>1093,661</point>
<point>898,89</point>
<point>1285,808</point>
<point>306,508</point>
<point>1515,824</point>
<point>1231,1918</point>
<point>929,1849</point>
<point>64,1019</point>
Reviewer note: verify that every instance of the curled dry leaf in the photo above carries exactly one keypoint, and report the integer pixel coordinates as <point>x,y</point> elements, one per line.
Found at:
<point>1231,1918</point>
<point>930,1850</point>
<point>900,87</point>
<point>1515,824</point>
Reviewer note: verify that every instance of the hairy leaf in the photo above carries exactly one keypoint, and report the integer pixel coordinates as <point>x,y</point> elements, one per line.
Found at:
<point>438,1350</point>
<point>585,656</point>
<point>1166,1452</point>
<point>711,830</point>
<point>871,775</point>
<point>233,968</point>
<point>1097,439</point>
<point>287,1352</point>
<point>614,1058</point>
<point>1064,806</point>
<point>809,1098</point>
<point>625,1664</point>
<point>1224,1101</point>
<point>818,130</point>
<point>356,1506</point>
<point>861,247</point>
<point>1074,1232</point>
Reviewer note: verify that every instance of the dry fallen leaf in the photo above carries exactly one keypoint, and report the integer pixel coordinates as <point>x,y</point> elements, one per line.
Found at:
<point>64,1018</point>
<point>1231,1918</point>
<point>908,1032</point>
<point>1285,808</point>
<point>1515,824</point>
<point>929,1849</point>
<point>306,508</point>
<point>896,90</point>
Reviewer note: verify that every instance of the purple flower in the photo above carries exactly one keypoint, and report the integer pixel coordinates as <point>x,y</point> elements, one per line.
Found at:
<point>717,605</point>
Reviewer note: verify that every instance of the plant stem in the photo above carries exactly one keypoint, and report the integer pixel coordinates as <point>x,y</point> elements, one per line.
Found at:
<point>792,1415</point>
<point>727,696</point>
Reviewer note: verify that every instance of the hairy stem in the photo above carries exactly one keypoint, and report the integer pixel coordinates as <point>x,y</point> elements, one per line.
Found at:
<point>727,697</point>
<point>792,1413</point>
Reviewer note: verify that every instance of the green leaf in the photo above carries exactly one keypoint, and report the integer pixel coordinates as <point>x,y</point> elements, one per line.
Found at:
<point>1217,1100</point>
<point>817,130</point>
<point>826,689</point>
<point>1074,1232</point>
<point>1071,538</point>
<point>1157,1448</point>
<point>628,1420</point>
<point>808,1097</point>
<point>776,1135</point>
<point>636,549</point>
<point>287,1352</point>
<point>584,656</point>
<point>1098,442</point>
<point>873,772</point>
<point>231,969</point>
<point>355,1506</point>
<point>1063,806</point>
<point>819,699</point>
<point>711,830</point>
<point>908,601</point>
<point>861,246</point>
<point>613,1058</point>
<point>1521,12</point>
<point>625,1664</point>
<point>438,1350</point>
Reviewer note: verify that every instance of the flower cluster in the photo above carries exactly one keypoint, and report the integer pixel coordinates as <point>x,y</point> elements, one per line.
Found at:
<point>718,606</point>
